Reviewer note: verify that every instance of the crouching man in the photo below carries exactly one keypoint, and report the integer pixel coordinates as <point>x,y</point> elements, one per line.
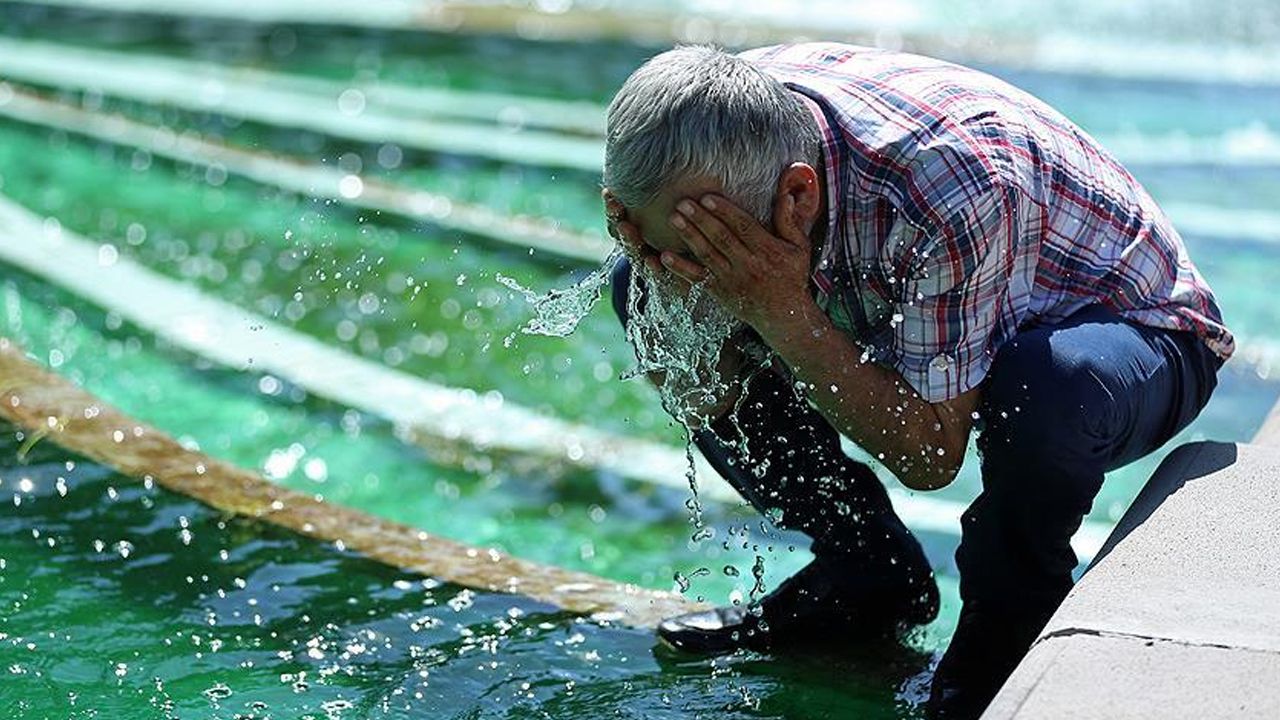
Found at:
<point>923,250</point>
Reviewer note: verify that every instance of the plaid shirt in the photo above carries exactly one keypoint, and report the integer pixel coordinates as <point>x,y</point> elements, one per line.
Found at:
<point>962,210</point>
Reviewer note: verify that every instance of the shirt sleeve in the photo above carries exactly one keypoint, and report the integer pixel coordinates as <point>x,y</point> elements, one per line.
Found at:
<point>954,283</point>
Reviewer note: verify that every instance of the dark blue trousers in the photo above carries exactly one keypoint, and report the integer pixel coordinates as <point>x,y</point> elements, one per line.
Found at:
<point>1061,405</point>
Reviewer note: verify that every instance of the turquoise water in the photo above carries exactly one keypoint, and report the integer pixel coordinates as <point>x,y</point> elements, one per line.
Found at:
<point>425,301</point>
<point>124,601</point>
<point>68,587</point>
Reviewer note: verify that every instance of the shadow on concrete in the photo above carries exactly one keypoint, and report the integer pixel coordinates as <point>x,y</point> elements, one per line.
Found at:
<point>1188,462</point>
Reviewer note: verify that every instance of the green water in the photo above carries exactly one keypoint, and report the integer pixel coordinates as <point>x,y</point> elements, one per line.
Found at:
<point>344,277</point>
<point>123,601</point>
<point>599,524</point>
<point>57,595</point>
<point>426,302</point>
<point>418,299</point>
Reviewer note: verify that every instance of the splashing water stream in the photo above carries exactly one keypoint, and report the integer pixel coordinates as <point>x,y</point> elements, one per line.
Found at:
<point>558,312</point>
<point>677,336</point>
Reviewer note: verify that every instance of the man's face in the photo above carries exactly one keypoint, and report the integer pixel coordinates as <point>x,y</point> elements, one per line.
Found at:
<point>676,331</point>
<point>654,220</point>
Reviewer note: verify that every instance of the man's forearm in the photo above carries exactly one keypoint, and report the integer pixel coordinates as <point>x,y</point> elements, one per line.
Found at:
<point>870,404</point>
<point>762,277</point>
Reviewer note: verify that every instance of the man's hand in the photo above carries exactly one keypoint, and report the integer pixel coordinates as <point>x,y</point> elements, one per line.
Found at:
<point>638,251</point>
<point>763,279</point>
<point>732,360</point>
<point>758,276</point>
<point>626,233</point>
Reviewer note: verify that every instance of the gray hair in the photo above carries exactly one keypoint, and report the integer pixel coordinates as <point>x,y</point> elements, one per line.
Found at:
<point>698,111</point>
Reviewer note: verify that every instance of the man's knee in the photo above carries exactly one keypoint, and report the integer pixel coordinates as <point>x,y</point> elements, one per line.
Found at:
<point>1045,398</point>
<point>1015,545</point>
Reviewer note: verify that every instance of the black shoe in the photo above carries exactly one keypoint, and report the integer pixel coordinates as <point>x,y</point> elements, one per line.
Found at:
<point>716,631</point>
<point>807,608</point>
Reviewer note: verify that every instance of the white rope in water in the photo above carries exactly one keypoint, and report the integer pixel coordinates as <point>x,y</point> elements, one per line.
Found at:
<point>316,180</point>
<point>239,339</point>
<point>1210,221</point>
<point>433,415</point>
<point>280,100</point>
<point>47,63</point>
<point>207,86</point>
<point>391,14</point>
<point>749,25</point>
<point>1252,147</point>
<point>390,113</point>
<point>120,72</point>
<point>310,179</point>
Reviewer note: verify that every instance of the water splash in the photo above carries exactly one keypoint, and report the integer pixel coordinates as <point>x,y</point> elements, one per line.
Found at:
<point>678,334</point>
<point>558,313</point>
<point>757,573</point>
<point>678,338</point>
<point>681,581</point>
<point>217,693</point>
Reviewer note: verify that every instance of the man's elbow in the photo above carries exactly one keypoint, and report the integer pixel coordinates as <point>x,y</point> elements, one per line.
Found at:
<point>943,453</point>
<point>933,473</point>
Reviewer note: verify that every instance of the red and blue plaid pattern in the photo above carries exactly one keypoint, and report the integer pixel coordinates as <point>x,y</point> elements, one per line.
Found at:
<point>962,209</point>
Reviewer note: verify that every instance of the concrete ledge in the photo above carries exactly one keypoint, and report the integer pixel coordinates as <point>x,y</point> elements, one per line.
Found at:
<point>1180,614</point>
<point>1197,556</point>
<point>1090,676</point>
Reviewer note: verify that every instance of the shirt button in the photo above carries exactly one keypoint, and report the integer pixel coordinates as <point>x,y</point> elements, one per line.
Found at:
<point>941,363</point>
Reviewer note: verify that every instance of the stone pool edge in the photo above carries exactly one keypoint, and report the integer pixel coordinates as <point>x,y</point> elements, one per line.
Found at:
<point>1179,617</point>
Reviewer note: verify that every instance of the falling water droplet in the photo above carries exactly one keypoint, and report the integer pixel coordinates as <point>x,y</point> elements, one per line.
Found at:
<point>217,693</point>
<point>682,582</point>
<point>757,572</point>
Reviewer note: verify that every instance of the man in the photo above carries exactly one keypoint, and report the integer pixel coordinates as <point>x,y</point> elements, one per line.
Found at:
<point>926,251</point>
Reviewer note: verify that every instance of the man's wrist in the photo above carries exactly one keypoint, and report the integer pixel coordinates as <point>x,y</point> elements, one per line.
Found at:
<point>800,320</point>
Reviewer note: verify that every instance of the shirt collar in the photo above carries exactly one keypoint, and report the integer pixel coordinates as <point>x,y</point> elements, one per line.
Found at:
<point>826,260</point>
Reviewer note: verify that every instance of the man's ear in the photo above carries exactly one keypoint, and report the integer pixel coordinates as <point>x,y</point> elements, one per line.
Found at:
<point>799,183</point>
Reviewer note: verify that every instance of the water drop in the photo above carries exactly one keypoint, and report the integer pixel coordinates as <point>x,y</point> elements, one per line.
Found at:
<point>682,582</point>
<point>218,692</point>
